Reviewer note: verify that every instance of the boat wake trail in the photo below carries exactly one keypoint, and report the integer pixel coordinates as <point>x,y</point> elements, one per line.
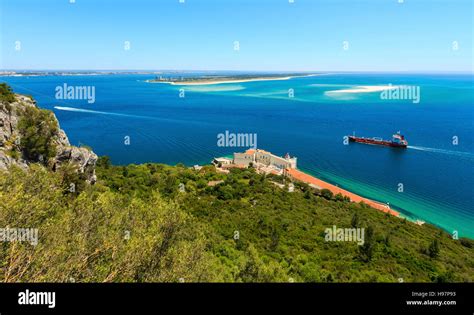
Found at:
<point>80,110</point>
<point>442,151</point>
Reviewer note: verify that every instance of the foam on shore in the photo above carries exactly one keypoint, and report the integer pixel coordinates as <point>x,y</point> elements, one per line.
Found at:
<point>362,89</point>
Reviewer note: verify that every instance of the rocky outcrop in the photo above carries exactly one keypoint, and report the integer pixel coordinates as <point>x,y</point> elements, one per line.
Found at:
<point>10,139</point>
<point>84,159</point>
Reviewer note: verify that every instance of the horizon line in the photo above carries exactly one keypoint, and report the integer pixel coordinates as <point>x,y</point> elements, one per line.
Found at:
<point>257,71</point>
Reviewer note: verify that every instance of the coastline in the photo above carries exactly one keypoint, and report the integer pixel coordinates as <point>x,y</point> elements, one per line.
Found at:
<point>412,206</point>
<point>320,184</point>
<point>264,162</point>
<point>407,211</point>
<point>227,80</point>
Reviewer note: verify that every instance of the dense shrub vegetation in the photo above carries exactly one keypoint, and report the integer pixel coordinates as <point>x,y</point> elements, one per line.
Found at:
<point>6,94</point>
<point>37,128</point>
<point>155,222</point>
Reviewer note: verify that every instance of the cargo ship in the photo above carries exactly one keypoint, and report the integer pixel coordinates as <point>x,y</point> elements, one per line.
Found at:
<point>398,141</point>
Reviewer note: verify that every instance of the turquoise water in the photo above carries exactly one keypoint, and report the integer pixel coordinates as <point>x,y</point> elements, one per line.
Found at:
<point>437,175</point>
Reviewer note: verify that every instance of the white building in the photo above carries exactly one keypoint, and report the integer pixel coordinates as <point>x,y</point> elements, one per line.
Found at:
<point>222,161</point>
<point>266,158</point>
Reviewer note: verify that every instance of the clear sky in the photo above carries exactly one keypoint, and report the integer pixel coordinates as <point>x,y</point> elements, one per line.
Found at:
<point>273,35</point>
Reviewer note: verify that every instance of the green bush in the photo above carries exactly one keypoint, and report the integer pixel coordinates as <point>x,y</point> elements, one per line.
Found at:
<point>326,193</point>
<point>6,94</point>
<point>37,129</point>
<point>134,225</point>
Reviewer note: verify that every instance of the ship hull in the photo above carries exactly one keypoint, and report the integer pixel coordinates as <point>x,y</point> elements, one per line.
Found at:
<point>377,142</point>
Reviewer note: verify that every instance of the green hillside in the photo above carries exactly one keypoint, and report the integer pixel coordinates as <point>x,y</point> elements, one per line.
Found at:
<point>155,222</point>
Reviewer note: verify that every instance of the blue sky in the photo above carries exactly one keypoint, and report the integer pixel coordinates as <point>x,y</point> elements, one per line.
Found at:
<point>273,35</point>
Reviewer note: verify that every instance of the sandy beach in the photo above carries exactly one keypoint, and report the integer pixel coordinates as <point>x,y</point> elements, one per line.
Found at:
<point>364,89</point>
<point>301,176</point>
<point>227,80</point>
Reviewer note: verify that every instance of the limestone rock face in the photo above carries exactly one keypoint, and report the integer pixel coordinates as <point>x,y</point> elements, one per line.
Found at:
<point>84,159</point>
<point>10,138</point>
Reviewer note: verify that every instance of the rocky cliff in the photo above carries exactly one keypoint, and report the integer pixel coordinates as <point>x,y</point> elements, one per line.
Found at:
<point>13,150</point>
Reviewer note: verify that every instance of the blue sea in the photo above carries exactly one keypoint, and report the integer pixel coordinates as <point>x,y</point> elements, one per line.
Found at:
<point>432,180</point>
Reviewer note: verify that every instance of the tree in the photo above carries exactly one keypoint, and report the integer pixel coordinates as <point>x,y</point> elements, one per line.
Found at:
<point>72,181</point>
<point>355,220</point>
<point>433,249</point>
<point>275,239</point>
<point>98,235</point>
<point>6,94</point>
<point>104,162</point>
<point>256,269</point>
<point>327,194</point>
<point>329,278</point>
<point>170,184</point>
<point>445,277</point>
<point>38,128</point>
<point>367,249</point>
<point>225,192</point>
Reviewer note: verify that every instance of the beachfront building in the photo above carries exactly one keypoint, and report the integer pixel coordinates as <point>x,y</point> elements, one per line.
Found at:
<point>265,162</point>
<point>221,161</point>
<point>244,158</point>
<point>264,158</point>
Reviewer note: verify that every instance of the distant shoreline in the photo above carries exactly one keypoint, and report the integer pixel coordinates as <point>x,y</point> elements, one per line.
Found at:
<point>224,80</point>
<point>68,73</point>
